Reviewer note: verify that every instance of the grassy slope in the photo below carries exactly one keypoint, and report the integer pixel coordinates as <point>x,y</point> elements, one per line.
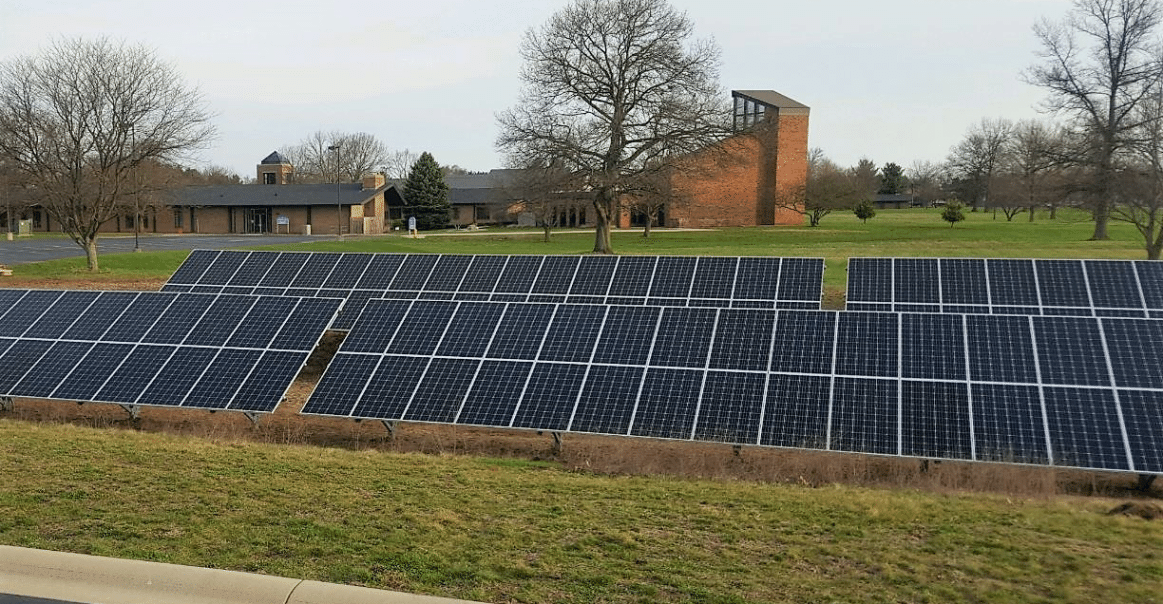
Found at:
<point>505,530</point>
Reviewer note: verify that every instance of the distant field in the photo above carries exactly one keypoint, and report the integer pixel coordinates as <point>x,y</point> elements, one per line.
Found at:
<point>508,530</point>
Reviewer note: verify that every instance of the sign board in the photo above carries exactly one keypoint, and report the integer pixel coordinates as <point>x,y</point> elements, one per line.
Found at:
<point>411,223</point>
<point>282,220</point>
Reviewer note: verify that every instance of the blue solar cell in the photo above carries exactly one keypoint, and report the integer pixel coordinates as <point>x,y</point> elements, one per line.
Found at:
<point>284,269</point>
<point>1008,424</point>
<point>56,364</point>
<point>26,311</point>
<point>220,321</point>
<point>672,277</point>
<point>521,331</point>
<point>801,279</point>
<point>519,274</point>
<point>1150,274</point>
<point>263,322</point>
<point>415,271</point>
<point>804,342</point>
<point>192,267</point>
<point>135,373</point>
<point>594,275</point>
<point>449,271</point>
<point>1143,417</point>
<point>353,306</point>
<point>421,330</point>
<point>633,276</point>
<point>495,393</point>
<point>1084,428</point>
<point>932,346</point>
<point>254,267</point>
<point>92,371</point>
<point>223,268</point>
<point>743,340</point>
<point>482,274</point>
<point>607,401</point>
<point>864,415</point>
<point>573,333</point>
<point>267,384</point>
<point>303,328</point>
<point>390,389</point>
<point>342,385</point>
<point>1070,351</point>
<point>348,271</point>
<point>8,297</point>
<point>1062,283</point>
<point>730,408</point>
<point>714,278</point>
<point>62,315</point>
<point>667,403</point>
<point>377,326</point>
<point>963,282</point>
<point>796,414</point>
<point>916,281</point>
<point>1012,282</point>
<point>1113,284</point>
<point>935,420</point>
<point>866,344</point>
<point>627,335</point>
<point>441,391</point>
<point>222,378</point>
<point>177,376</point>
<point>1135,347</point>
<point>380,272</point>
<point>684,337</point>
<point>870,280</point>
<point>315,272</point>
<point>471,329</point>
<point>178,319</point>
<point>549,397</point>
<point>556,275</point>
<point>1001,349</point>
<point>757,279</point>
<point>17,360</point>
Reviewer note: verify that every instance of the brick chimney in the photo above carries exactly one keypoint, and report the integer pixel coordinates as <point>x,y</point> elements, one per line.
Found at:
<point>373,181</point>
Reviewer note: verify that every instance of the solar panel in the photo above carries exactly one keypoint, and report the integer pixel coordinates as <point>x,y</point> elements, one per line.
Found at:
<point>203,351</point>
<point>731,282</point>
<point>1110,288</point>
<point>1068,391</point>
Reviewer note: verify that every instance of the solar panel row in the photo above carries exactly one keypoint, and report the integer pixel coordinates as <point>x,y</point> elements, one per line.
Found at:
<point>153,348</point>
<point>759,282</point>
<point>1069,391</point>
<point>1107,288</point>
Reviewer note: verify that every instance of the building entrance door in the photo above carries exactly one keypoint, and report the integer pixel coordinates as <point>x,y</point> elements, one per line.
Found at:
<point>258,220</point>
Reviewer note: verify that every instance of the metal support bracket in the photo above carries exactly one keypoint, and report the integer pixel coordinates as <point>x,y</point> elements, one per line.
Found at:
<point>1145,481</point>
<point>134,411</point>
<point>253,417</point>
<point>390,426</point>
<point>736,449</point>
<point>6,403</point>
<point>556,443</point>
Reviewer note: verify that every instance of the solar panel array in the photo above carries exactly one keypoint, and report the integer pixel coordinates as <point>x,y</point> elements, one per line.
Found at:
<point>189,350</point>
<point>1105,288</point>
<point>737,282</point>
<point>1079,392</point>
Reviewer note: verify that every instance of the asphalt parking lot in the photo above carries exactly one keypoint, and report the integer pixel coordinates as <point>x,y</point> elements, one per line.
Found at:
<point>23,250</point>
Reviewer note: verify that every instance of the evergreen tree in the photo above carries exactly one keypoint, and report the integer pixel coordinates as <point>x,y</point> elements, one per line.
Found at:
<point>953,213</point>
<point>864,210</point>
<point>426,194</point>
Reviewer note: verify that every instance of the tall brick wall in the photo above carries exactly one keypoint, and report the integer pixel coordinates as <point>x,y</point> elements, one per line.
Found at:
<point>791,162</point>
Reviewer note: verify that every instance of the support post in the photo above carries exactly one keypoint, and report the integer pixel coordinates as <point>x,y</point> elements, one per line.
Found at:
<point>736,450</point>
<point>253,417</point>
<point>5,403</point>
<point>390,426</point>
<point>1145,481</point>
<point>556,443</point>
<point>134,411</point>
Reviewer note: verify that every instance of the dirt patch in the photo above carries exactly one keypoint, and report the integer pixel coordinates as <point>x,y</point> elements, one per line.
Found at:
<point>1139,509</point>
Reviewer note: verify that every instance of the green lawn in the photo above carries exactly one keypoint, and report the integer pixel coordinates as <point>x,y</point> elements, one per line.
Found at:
<point>517,531</point>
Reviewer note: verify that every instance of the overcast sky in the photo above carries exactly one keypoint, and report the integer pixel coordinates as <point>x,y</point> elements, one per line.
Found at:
<point>895,80</point>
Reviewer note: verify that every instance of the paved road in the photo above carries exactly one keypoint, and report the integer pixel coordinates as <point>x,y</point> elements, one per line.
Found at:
<point>36,249</point>
<point>9,599</point>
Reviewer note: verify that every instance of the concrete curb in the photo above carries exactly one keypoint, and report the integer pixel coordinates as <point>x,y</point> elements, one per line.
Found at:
<point>80,578</point>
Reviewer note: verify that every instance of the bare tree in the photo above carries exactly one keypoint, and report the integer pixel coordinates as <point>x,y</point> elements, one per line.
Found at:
<point>79,118</point>
<point>1099,64</point>
<point>1141,184</point>
<point>545,192</point>
<point>314,157</point>
<point>925,180</point>
<point>828,187</point>
<point>615,90</point>
<point>1031,169</point>
<point>397,164</point>
<point>978,158</point>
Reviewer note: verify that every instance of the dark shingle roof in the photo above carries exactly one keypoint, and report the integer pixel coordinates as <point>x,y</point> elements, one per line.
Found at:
<point>274,158</point>
<point>772,98</point>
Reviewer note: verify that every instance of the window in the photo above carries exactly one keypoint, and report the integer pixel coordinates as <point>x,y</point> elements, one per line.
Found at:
<point>482,213</point>
<point>268,178</point>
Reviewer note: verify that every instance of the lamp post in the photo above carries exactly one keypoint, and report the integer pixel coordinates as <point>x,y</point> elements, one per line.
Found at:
<point>338,209</point>
<point>136,192</point>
